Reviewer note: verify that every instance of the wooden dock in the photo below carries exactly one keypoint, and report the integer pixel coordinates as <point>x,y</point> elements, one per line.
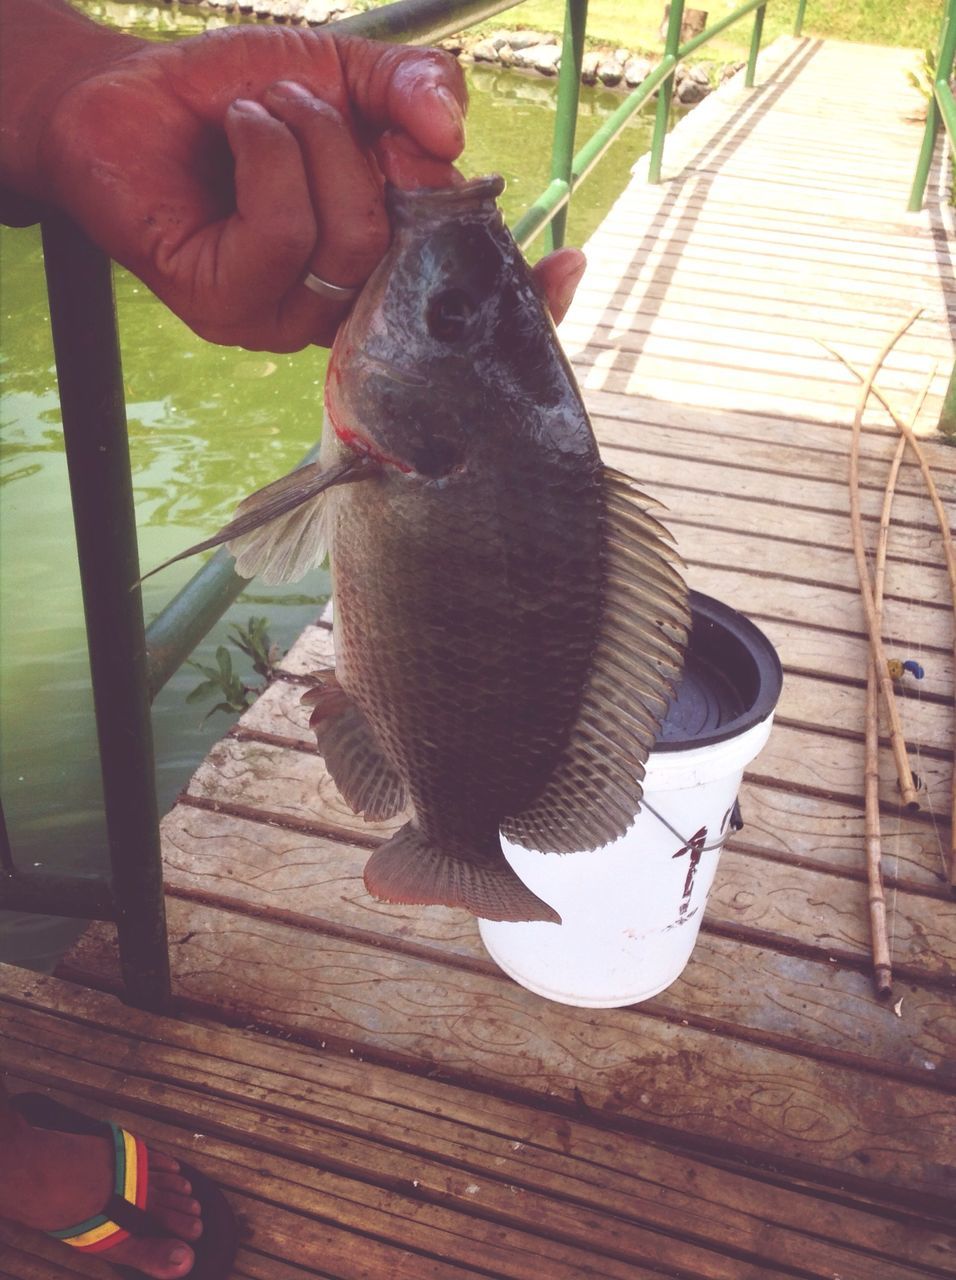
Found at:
<point>377,1098</point>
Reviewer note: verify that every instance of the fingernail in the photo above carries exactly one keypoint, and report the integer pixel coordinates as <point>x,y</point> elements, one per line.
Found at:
<point>248,107</point>
<point>289,89</point>
<point>569,284</point>
<point>452,106</point>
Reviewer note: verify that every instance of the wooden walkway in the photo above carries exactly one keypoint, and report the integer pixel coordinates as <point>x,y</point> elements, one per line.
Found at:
<point>377,1098</point>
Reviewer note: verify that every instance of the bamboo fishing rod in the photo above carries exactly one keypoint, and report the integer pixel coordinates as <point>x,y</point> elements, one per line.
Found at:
<point>873,844</point>
<point>949,554</point>
<point>897,740</point>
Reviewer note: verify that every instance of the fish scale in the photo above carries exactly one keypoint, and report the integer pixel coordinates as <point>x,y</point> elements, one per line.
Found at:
<point>510,618</point>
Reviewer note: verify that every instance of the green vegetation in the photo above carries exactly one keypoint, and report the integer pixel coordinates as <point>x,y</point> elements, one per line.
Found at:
<point>635,24</point>
<point>252,640</point>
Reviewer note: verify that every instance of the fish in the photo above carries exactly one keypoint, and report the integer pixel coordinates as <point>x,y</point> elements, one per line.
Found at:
<point>510,614</point>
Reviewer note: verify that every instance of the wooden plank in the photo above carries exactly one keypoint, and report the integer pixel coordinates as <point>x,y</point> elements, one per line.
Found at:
<point>636,1180</point>
<point>691,200</point>
<point>725,389</point>
<point>801,448</point>
<point>286,779</point>
<point>839,656</point>
<point>807,703</point>
<point>711,328</point>
<point>728,386</point>
<point>456,1214</point>
<point>316,884</point>
<point>761,1103</point>
<point>832,609</point>
<point>750,191</point>
<point>658,276</point>
<point>741,260</point>
<point>843,283</point>
<point>826,833</point>
<point>809,829</point>
<point>797,754</point>
<point>439,1217</point>
<point>802,649</point>
<point>922,589</point>
<point>666,462</point>
<point>698,222</point>
<point>29,1255</point>
<point>824,318</point>
<point>279,717</point>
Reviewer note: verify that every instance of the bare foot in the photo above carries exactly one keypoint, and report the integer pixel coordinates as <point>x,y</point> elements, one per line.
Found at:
<point>61,1179</point>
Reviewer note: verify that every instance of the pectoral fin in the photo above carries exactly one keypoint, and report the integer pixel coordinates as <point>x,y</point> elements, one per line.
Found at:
<point>294,539</point>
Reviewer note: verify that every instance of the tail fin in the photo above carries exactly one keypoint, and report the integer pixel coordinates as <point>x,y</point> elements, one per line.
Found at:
<point>408,868</point>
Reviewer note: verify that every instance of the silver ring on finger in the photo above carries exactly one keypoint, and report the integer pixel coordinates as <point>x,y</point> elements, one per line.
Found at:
<point>333,292</point>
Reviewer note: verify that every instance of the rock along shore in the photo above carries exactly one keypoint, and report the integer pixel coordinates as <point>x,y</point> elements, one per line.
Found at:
<point>526,50</point>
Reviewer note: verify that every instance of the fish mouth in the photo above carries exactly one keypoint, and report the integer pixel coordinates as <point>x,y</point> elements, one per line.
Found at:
<point>475,196</point>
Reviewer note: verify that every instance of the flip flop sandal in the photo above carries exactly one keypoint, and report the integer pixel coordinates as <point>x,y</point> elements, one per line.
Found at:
<point>124,1214</point>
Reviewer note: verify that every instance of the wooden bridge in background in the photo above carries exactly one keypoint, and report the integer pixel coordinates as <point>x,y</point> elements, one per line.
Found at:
<point>376,1097</point>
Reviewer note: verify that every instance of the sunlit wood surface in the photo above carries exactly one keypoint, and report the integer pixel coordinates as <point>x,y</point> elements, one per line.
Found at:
<point>377,1098</point>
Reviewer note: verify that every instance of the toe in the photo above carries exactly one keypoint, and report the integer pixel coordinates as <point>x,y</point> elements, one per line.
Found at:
<point>172,1183</point>
<point>161,1259</point>
<point>184,1222</point>
<point>159,1162</point>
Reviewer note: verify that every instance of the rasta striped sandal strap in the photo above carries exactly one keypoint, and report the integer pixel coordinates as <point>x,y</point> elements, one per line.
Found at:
<point>123,1214</point>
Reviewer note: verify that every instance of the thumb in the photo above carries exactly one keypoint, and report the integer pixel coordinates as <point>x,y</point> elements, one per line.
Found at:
<point>558,276</point>
<point>419,91</point>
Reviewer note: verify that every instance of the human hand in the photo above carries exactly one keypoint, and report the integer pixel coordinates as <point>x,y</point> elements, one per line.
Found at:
<point>221,169</point>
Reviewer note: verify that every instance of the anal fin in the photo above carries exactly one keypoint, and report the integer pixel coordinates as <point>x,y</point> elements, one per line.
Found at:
<point>365,777</point>
<point>410,868</point>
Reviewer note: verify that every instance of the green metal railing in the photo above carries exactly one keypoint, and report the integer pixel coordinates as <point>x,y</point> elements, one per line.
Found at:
<point>567,172</point>
<point>941,109</point>
<point>130,663</point>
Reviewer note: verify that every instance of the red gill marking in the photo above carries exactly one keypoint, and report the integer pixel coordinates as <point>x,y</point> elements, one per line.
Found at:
<point>353,440</point>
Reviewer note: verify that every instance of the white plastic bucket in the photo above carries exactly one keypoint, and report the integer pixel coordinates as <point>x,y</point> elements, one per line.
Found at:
<point>631,911</point>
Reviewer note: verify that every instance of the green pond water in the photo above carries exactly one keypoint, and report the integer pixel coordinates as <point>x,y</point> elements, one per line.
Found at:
<point>206,425</point>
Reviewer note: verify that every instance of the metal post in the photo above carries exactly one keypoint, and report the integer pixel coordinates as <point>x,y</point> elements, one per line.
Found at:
<point>945,52</point>
<point>798,24</point>
<point>85,343</point>
<point>418,21</point>
<point>947,417</point>
<point>925,161</point>
<point>755,47</point>
<point>565,123</point>
<point>666,91</point>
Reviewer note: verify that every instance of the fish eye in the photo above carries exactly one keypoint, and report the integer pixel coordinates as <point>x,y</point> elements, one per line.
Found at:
<point>448,314</point>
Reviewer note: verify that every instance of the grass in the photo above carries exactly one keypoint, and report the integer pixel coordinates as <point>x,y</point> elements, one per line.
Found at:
<point>635,24</point>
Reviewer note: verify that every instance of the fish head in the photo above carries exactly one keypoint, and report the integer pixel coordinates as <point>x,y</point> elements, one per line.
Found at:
<point>449,353</point>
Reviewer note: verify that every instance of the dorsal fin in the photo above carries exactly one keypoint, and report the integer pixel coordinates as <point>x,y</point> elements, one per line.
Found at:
<point>595,789</point>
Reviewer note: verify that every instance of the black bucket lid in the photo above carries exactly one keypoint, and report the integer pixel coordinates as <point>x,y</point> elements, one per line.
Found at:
<point>731,681</point>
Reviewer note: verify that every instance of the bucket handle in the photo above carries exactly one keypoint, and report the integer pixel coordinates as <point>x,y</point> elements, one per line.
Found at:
<point>735,824</point>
